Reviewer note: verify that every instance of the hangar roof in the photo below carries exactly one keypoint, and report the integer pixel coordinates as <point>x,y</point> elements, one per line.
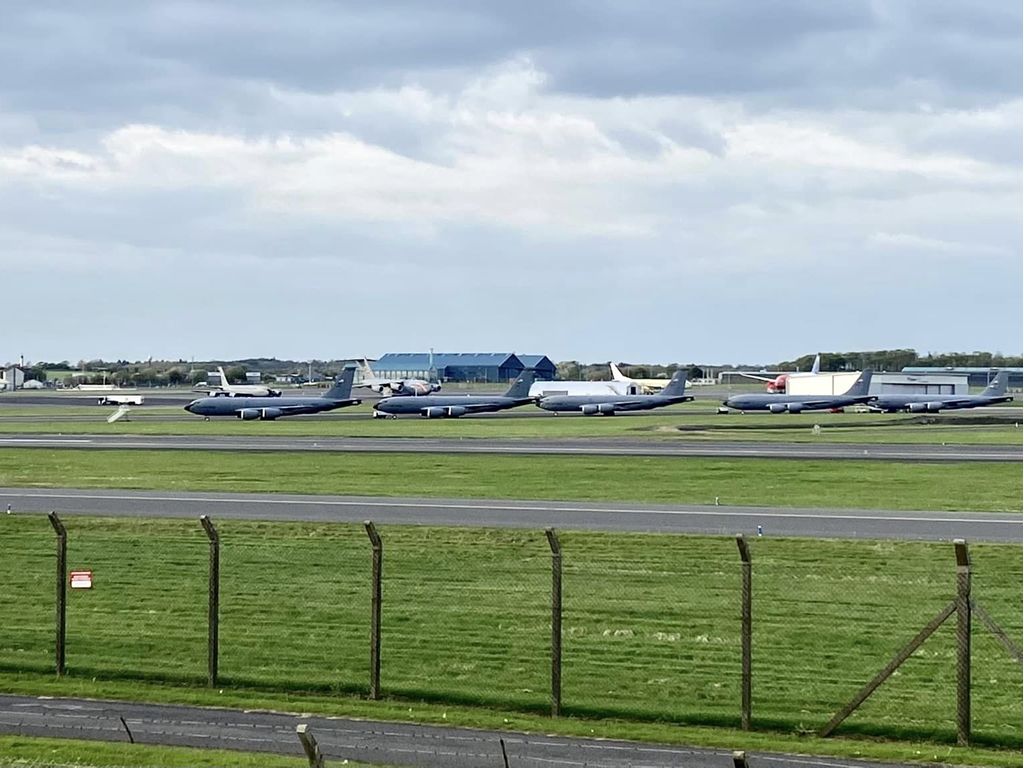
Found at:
<point>421,360</point>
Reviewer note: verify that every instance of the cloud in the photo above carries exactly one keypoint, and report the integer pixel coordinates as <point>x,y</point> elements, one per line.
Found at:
<point>604,165</point>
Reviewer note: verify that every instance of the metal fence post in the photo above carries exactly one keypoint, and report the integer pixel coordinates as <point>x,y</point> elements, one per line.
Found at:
<point>213,622</point>
<point>375,608</point>
<point>746,632</point>
<point>963,642</point>
<point>62,588</point>
<point>556,621</point>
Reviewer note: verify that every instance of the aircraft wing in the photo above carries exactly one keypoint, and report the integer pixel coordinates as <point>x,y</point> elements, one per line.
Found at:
<point>755,376</point>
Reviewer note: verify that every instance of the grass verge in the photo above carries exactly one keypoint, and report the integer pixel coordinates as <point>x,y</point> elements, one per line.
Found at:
<point>25,751</point>
<point>985,487</point>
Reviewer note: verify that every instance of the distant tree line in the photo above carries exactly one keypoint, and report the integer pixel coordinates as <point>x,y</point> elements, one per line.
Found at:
<point>162,373</point>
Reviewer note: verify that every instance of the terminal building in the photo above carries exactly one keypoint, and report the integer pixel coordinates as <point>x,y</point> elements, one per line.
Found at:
<point>487,367</point>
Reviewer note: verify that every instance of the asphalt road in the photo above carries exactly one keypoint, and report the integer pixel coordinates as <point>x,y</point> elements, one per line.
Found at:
<point>365,741</point>
<point>563,446</point>
<point>690,518</point>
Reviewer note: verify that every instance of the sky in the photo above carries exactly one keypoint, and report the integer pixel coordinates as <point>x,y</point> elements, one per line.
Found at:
<point>709,181</point>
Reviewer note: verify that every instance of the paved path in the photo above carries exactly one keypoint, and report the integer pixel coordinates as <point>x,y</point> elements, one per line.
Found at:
<point>688,518</point>
<point>400,744</point>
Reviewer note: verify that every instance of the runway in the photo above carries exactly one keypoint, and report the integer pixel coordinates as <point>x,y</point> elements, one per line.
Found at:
<point>364,741</point>
<point>688,518</point>
<point>552,446</point>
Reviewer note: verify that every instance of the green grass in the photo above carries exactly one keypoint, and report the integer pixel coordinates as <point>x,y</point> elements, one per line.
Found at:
<point>650,624</point>
<point>70,753</point>
<point>786,483</point>
<point>694,421</point>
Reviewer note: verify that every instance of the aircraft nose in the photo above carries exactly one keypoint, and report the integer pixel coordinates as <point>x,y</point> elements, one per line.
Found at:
<point>191,406</point>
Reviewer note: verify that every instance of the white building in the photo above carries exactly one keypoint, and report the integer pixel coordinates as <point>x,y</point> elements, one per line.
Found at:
<point>881,383</point>
<point>11,377</point>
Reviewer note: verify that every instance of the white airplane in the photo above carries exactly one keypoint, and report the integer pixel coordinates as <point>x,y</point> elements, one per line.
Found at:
<point>391,387</point>
<point>648,385</point>
<point>238,390</point>
<point>777,384</point>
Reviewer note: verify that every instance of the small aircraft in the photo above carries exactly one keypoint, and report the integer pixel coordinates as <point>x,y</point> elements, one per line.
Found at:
<point>776,384</point>
<point>391,387</point>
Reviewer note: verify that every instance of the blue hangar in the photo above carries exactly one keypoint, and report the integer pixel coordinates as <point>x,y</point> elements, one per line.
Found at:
<point>489,367</point>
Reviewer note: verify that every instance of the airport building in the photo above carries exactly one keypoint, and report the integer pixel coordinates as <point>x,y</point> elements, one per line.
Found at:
<point>490,367</point>
<point>881,384</point>
<point>11,377</point>
<point>976,377</point>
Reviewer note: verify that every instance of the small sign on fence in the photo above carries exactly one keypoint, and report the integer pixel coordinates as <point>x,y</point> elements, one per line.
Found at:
<point>81,579</point>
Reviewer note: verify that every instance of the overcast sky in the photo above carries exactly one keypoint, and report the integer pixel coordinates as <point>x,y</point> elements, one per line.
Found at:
<point>710,181</point>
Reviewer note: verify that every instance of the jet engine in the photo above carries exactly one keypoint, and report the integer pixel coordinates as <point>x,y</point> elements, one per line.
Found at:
<point>265,414</point>
<point>598,409</point>
<point>922,407</point>
<point>448,411</point>
<point>794,407</point>
<point>777,407</point>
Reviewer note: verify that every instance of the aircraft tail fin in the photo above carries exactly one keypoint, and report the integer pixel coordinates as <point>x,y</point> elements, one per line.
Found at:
<point>223,377</point>
<point>521,387</point>
<point>816,368</point>
<point>861,385</point>
<point>342,389</point>
<point>676,386</point>
<point>998,385</point>
<point>617,375</point>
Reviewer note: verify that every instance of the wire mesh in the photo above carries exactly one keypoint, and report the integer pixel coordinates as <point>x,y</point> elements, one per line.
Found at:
<point>27,576</point>
<point>650,629</point>
<point>467,615</point>
<point>651,626</point>
<point>295,605</point>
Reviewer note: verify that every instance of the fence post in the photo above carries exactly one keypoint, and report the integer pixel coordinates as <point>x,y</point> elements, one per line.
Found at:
<point>375,600</point>
<point>213,621</point>
<point>746,632</point>
<point>309,746</point>
<point>963,642</point>
<point>62,588</point>
<point>556,621</point>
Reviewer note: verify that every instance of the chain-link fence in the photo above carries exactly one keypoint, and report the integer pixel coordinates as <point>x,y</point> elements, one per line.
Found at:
<point>650,624</point>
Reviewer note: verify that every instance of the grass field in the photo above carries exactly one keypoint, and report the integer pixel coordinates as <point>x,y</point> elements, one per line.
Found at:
<point>689,422</point>
<point>785,483</point>
<point>26,752</point>
<point>651,627</point>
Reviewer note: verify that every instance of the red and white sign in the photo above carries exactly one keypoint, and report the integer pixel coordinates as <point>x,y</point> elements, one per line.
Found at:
<point>81,579</point>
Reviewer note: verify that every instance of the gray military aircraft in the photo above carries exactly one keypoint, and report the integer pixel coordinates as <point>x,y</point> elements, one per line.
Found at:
<point>610,404</point>
<point>994,393</point>
<point>270,408</point>
<point>858,393</point>
<point>453,406</point>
